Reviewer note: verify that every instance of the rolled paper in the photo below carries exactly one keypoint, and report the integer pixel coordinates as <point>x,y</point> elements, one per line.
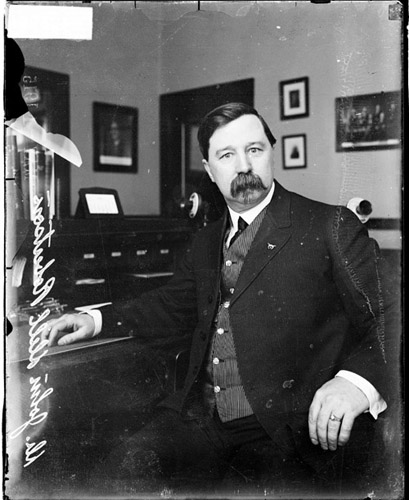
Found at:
<point>27,125</point>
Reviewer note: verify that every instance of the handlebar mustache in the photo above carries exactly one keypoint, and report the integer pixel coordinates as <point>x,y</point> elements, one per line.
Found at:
<point>245,182</point>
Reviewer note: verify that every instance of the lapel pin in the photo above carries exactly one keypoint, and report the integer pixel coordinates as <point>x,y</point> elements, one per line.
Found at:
<point>270,246</point>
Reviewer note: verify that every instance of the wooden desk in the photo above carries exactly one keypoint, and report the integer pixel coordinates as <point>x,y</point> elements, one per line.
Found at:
<point>91,395</point>
<point>18,343</point>
<point>106,259</point>
<point>82,399</point>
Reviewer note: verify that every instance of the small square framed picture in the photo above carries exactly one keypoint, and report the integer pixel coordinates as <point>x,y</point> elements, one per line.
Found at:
<point>294,99</point>
<point>294,151</point>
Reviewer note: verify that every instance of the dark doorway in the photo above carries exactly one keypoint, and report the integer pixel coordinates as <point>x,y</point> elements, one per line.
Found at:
<point>182,172</point>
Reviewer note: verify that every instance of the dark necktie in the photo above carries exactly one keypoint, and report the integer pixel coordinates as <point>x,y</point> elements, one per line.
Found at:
<point>242,224</point>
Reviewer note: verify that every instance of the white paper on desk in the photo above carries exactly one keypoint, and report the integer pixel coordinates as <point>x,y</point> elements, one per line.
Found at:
<point>90,281</point>
<point>27,125</point>
<point>151,275</point>
<point>92,306</point>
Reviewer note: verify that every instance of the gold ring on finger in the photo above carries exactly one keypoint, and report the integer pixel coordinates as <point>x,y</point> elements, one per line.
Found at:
<point>334,418</point>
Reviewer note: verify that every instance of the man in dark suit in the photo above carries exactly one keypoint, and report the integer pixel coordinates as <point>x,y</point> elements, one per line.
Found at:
<point>283,303</point>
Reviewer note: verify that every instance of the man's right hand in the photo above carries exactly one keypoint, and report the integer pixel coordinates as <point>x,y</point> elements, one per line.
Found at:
<point>69,328</point>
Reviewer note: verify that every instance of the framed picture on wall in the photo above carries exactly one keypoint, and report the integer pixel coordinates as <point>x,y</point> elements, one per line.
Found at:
<point>294,99</point>
<point>370,121</point>
<point>294,151</point>
<point>115,138</point>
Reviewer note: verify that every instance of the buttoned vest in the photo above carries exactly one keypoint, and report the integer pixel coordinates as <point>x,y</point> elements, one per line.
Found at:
<point>223,388</point>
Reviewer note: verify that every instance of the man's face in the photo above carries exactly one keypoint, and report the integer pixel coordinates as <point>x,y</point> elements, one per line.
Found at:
<point>114,131</point>
<point>241,162</point>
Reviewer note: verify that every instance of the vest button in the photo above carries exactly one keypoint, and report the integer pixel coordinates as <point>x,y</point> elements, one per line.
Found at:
<point>226,305</point>
<point>216,361</point>
<point>229,263</point>
<point>216,389</point>
<point>220,331</point>
<point>232,290</point>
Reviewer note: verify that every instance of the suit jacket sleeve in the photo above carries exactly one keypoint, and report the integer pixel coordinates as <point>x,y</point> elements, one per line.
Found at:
<point>167,314</point>
<point>362,280</point>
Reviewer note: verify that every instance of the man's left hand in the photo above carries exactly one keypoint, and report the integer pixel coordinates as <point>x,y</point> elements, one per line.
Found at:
<point>333,411</point>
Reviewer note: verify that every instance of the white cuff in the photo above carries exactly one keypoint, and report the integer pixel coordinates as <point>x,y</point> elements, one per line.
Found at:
<point>97,317</point>
<point>376,403</point>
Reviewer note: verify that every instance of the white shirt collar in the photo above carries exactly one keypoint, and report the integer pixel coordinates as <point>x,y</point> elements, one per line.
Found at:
<point>251,214</point>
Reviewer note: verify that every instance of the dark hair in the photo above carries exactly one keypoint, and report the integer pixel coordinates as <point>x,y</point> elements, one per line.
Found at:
<point>223,115</point>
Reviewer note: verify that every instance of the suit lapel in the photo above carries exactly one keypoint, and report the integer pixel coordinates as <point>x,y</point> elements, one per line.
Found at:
<point>273,234</point>
<point>216,241</point>
<point>214,252</point>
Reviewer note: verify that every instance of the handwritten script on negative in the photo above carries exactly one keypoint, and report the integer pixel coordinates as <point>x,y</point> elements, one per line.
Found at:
<point>37,347</point>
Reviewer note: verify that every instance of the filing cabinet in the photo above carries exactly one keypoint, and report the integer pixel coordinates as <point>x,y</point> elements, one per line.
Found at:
<point>102,260</point>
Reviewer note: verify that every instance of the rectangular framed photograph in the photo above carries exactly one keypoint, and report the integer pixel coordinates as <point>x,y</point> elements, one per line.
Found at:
<point>294,99</point>
<point>294,151</point>
<point>370,121</point>
<point>115,138</point>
